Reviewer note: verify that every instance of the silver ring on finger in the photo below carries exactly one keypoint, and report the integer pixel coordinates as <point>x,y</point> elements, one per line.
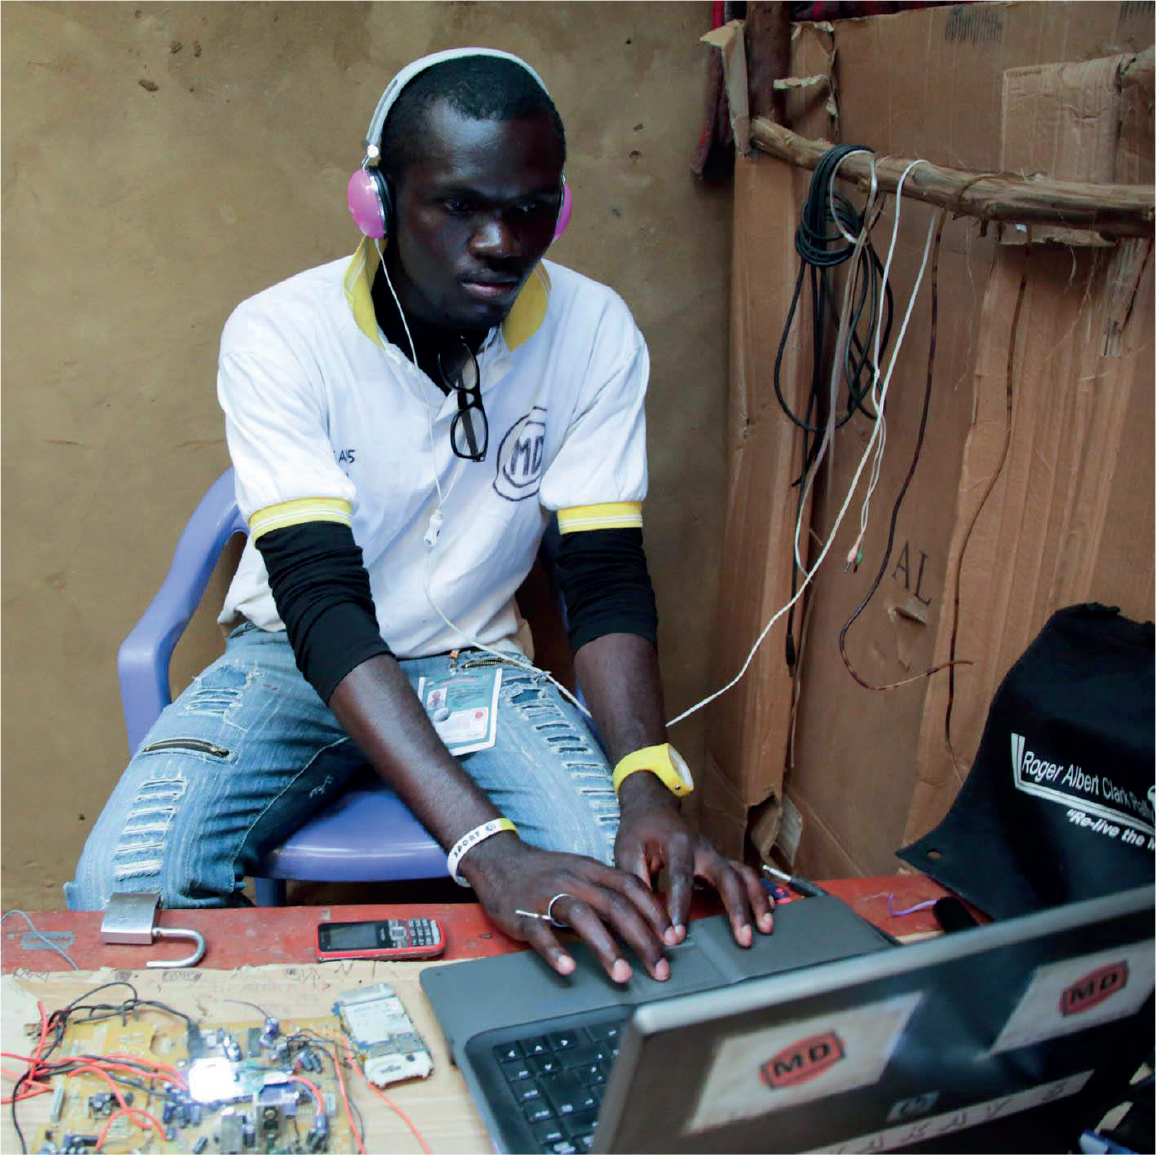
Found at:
<point>550,910</point>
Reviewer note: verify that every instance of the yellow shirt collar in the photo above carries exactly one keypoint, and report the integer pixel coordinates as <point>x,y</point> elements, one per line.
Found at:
<point>522,322</point>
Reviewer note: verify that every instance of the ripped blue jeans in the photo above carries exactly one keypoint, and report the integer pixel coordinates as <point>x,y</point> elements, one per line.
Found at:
<point>249,752</point>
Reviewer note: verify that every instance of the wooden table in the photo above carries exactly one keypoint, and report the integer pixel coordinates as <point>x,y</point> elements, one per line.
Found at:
<point>241,945</point>
<point>261,935</point>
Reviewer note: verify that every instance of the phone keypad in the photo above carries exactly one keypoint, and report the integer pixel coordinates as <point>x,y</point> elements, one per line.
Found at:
<point>423,932</point>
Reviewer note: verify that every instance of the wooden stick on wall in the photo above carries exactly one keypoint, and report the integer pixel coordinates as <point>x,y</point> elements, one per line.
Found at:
<point>1121,210</point>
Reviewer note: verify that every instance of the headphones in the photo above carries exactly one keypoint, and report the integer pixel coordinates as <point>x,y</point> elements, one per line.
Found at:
<point>367,192</point>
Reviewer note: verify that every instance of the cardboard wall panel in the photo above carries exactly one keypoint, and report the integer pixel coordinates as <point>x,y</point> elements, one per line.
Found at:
<point>748,725</point>
<point>1065,521</point>
<point>1069,518</point>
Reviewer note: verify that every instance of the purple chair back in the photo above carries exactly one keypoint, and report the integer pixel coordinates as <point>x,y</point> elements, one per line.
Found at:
<point>365,835</point>
<point>143,660</point>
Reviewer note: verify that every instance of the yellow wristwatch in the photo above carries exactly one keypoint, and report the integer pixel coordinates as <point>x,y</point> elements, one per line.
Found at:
<point>665,761</point>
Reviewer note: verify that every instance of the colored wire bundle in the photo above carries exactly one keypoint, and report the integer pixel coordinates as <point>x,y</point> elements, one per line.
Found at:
<point>123,1070</point>
<point>112,1068</point>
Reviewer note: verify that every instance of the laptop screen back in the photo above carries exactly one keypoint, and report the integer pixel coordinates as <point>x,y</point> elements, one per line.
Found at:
<point>1011,1032</point>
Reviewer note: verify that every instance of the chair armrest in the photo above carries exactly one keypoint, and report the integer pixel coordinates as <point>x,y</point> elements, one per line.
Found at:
<point>144,656</point>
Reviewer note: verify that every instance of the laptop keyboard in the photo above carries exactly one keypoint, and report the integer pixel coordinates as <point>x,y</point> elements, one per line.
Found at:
<point>557,1079</point>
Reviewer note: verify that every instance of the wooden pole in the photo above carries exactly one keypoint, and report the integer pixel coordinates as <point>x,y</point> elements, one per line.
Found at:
<point>1121,210</point>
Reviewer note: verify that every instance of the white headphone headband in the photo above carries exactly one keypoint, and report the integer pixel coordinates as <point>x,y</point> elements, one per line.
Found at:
<point>395,86</point>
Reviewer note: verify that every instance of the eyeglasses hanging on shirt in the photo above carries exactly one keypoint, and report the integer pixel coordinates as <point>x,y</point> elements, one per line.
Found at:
<point>470,429</point>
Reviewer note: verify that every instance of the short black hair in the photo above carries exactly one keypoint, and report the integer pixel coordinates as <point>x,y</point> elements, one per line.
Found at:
<point>481,87</point>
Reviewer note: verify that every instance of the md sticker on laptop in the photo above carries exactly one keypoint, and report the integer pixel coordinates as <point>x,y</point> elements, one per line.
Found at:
<point>1077,993</point>
<point>783,1066</point>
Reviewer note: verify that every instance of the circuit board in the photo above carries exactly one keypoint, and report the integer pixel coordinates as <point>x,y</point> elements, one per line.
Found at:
<point>235,1087</point>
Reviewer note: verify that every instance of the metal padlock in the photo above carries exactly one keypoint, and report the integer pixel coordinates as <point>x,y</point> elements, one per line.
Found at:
<point>131,918</point>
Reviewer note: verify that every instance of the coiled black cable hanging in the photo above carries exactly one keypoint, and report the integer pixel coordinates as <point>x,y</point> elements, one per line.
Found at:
<point>821,250</point>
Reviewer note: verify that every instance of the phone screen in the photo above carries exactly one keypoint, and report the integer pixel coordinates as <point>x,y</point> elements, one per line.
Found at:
<point>348,936</point>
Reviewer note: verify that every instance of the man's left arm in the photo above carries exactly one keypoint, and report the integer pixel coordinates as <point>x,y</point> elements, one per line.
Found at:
<point>613,626</point>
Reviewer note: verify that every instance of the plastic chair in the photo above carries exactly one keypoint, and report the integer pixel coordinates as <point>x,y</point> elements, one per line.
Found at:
<point>365,835</point>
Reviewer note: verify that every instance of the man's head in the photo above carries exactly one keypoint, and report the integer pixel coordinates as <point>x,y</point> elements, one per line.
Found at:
<point>473,151</point>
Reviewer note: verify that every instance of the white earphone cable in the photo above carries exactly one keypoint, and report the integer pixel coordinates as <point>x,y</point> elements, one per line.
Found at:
<point>519,660</point>
<point>434,530</point>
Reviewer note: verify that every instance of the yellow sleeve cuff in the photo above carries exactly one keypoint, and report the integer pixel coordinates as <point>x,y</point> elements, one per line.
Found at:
<point>610,515</point>
<point>298,512</point>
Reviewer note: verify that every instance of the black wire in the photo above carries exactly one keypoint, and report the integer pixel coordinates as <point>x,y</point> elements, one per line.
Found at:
<point>255,1006</point>
<point>932,338</point>
<point>15,1095</point>
<point>62,1017</point>
<point>58,1021</point>
<point>821,250</point>
<point>331,1055</point>
<point>59,1018</point>
<point>171,1010</point>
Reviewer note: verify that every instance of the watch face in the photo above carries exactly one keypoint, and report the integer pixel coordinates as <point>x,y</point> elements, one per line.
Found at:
<point>680,767</point>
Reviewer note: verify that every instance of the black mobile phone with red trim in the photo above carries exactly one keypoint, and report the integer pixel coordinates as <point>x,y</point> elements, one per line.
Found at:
<point>395,939</point>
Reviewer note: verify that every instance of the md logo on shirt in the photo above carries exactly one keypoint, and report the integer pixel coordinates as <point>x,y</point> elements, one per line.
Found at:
<point>520,457</point>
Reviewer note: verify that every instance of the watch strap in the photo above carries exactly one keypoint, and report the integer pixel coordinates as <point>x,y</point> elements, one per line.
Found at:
<point>658,760</point>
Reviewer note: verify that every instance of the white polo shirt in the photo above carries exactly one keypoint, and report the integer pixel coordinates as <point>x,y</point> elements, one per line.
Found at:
<point>326,420</point>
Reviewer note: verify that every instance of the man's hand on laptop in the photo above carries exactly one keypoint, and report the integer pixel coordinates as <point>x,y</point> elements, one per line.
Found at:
<point>653,835</point>
<point>519,885</point>
<point>604,906</point>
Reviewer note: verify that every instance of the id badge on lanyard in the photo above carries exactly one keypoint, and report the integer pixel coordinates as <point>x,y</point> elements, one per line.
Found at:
<point>463,708</point>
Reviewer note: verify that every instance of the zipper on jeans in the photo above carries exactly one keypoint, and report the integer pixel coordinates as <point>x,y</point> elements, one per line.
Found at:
<point>187,744</point>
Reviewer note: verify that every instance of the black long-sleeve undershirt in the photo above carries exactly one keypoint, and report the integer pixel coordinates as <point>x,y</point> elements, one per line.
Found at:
<point>322,592</point>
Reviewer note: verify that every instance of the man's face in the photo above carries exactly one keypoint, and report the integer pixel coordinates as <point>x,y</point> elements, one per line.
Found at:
<point>474,214</point>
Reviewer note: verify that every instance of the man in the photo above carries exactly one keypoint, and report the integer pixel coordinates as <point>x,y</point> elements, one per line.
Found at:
<point>402,428</point>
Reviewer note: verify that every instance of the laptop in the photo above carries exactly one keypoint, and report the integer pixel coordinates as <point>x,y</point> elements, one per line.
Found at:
<point>823,1036</point>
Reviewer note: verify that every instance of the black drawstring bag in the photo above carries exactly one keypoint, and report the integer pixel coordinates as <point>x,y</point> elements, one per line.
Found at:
<point>1058,806</point>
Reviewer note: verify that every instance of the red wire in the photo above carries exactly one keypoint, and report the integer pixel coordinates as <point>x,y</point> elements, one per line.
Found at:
<point>345,1099</point>
<point>26,1094</point>
<point>43,1031</point>
<point>170,1072</point>
<point>390,1103</point>
<point>313,1088</point>
<point>112,1064</point>
<point>130,1112</point>
<point>94,1069</point>
<point>11,1074</point>
<point>33,1086</point>
<point>400,1113</point>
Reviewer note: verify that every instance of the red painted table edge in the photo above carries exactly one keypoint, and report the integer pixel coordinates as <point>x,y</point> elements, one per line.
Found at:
<point>254,936</point>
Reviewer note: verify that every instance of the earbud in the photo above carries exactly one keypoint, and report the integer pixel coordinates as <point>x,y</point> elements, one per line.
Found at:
<point>434,529</point>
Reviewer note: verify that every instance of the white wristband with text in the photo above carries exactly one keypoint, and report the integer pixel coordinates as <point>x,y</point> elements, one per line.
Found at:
<point>469,841</point>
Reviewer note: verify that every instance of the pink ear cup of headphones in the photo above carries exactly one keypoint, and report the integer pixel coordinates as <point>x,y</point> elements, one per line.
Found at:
<point>365,204</point>
<point>565,211</point>
<point>364,200</point>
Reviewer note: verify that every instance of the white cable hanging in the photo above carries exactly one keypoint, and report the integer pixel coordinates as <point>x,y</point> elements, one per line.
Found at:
<point>879,396</point>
